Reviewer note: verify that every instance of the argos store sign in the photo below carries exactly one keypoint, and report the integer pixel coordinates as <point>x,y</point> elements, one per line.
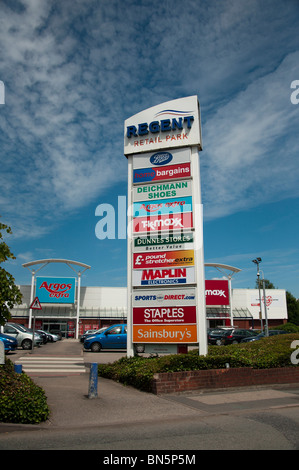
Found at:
<point>173,124</point>
<point>56,289</point>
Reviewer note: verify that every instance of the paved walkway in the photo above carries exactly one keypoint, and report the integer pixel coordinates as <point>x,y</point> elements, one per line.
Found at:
<point>67,393</point>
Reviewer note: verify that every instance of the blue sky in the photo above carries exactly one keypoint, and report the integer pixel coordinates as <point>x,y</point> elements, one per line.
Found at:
<point>75,70</point>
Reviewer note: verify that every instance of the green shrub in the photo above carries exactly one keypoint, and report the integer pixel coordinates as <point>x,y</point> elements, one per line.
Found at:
<point>21,400</point>
<point>289,327</point>
<point>265,353</point>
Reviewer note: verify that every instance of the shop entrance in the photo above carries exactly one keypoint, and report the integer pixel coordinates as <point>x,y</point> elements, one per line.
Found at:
<point>66,327</point>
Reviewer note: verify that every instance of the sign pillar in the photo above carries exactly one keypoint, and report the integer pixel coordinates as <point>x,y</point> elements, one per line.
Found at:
<point>166,284</point>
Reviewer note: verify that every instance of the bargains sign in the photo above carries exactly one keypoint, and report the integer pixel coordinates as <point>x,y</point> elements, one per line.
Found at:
<point>166,173</point>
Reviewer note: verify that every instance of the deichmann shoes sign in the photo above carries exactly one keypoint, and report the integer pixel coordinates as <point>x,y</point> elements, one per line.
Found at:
<point>162,190</point>
<point>56,289</point>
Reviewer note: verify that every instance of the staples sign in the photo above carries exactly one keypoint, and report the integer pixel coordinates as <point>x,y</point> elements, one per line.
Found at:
<point>56,289</point>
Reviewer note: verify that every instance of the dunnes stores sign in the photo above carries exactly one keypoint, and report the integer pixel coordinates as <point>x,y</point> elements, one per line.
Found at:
<point>176,123</point>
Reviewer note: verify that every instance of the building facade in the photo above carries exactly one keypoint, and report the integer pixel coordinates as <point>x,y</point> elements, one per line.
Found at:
<point>104,306</point>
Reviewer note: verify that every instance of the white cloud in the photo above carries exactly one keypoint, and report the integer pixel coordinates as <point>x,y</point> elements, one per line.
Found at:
<point>74,70</point>
<point>250,146</point>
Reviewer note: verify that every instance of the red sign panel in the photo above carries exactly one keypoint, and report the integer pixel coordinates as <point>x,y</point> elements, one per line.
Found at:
<point>162,222</point>
<point>217,292</point>
<point>164,315</point>
<point>143,175</point>
<point>164,259</point>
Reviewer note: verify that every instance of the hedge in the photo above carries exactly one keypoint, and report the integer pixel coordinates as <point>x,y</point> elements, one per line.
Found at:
<point>265,353</point>
<point>21,400</point>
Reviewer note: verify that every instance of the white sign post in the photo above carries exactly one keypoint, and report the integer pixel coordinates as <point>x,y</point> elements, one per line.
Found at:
<point>165,227</point>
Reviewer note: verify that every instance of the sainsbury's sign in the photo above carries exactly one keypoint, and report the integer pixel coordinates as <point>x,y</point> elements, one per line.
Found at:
<point>165,333</point>
<point>56,289</point>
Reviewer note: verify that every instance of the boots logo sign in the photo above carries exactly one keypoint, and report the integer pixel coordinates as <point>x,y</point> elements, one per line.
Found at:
<point>55,290</point>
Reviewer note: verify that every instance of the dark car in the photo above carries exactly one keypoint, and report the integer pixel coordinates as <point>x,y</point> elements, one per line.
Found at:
<point>215,336</point>
<point>263,335</point>
<point>237,335</point>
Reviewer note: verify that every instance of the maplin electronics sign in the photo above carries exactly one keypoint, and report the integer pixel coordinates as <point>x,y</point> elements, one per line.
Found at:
<point>165,245</point>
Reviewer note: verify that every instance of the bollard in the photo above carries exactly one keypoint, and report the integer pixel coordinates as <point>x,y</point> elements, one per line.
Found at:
<point>18,368</point>
<point>93,381</point>
<point>2,353</point>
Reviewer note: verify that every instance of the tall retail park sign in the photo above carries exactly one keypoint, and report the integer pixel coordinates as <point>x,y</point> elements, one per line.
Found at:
<point>166,285</point>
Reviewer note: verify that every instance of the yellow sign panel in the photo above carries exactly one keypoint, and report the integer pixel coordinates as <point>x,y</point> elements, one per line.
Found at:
<point>165,334</point>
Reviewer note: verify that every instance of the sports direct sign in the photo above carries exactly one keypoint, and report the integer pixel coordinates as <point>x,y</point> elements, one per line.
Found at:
<point>56,289</point>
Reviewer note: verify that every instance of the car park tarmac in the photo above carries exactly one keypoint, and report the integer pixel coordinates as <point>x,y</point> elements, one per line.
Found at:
<point>121,417</point>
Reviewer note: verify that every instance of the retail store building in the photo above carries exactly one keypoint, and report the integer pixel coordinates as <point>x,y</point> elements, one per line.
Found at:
<point>91,307</point>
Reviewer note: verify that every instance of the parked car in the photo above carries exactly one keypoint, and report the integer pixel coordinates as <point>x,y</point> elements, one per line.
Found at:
<point>114,337</point>
<point>237,335</point>
<point>91,332</point>
<point>263,335</point>
<point>22,335</point>
<point>41,334</point>
<point>215,335</point>
<point>57,333</point>
<point>10,343</point>
<point>51,337</point>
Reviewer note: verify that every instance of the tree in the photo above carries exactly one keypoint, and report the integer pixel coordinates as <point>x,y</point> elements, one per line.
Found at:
<point>293,308</point>
<point>9,293</point>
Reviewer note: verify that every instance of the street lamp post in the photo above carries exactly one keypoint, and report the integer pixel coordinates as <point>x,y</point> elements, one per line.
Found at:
<point>257,262</point>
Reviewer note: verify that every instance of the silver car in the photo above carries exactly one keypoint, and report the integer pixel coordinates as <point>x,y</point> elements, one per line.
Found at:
<point>22,335</point>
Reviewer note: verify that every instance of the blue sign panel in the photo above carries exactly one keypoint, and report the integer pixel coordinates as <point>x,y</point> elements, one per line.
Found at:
<point>164,206</point>
<point>59,290</point>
